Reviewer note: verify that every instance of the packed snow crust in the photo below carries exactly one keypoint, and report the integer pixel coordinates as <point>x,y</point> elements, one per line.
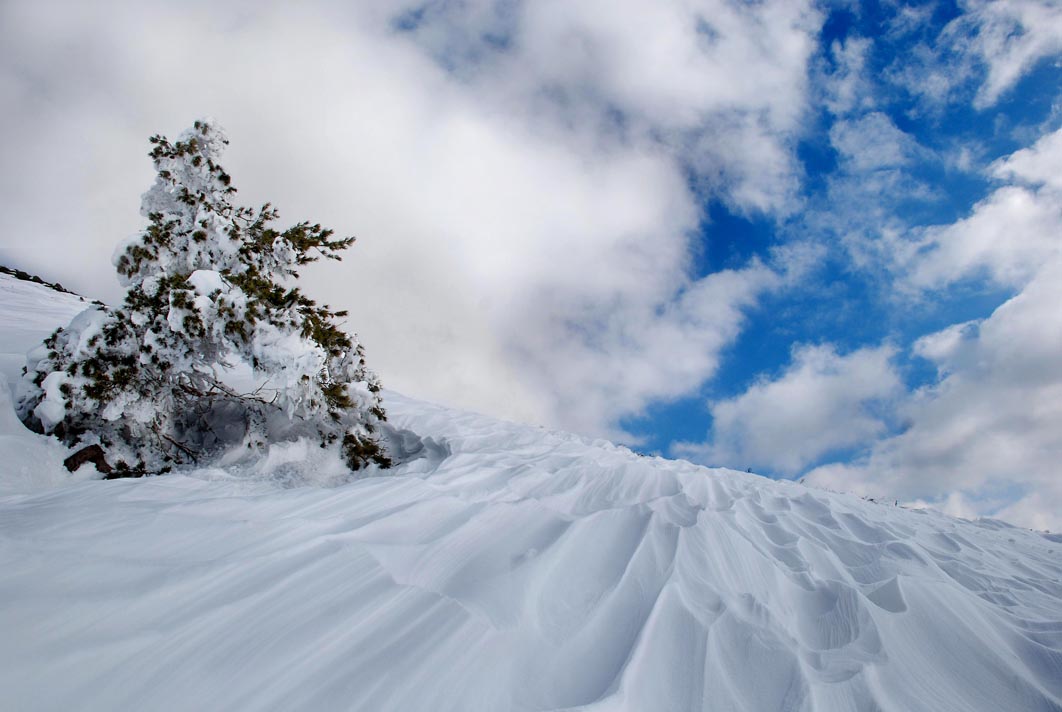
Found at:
<point>506,567</point>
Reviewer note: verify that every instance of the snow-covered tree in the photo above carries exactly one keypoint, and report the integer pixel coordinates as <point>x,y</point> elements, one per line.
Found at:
<point>213,344</point>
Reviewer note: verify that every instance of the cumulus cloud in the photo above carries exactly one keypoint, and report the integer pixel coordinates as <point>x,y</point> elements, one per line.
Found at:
<point>823,402</point>
<point>981,439</point>
<point>1008,237</point>
<point>525,181</point>
<point>993,422</point>
<point>988,432</point>
<point>1036,166</point>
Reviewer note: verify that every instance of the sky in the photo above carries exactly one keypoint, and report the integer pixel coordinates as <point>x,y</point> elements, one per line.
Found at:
<point>816,240</point>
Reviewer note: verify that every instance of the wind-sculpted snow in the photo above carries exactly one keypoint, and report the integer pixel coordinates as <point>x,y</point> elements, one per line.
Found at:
<point>513,568</point>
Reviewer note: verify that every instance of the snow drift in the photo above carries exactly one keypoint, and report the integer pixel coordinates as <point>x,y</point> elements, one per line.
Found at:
<point>505,568</point>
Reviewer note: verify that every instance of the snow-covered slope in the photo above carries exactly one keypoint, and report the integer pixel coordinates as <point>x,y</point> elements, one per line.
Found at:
<point>508,568</point>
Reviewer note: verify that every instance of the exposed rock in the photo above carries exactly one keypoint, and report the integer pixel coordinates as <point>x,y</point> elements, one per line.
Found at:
<point>91,453</point>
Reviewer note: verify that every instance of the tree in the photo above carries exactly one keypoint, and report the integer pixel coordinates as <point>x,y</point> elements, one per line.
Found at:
<point>213,344</point>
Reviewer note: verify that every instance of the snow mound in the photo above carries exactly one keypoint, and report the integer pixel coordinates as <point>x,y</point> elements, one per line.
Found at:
<point>505,567</point>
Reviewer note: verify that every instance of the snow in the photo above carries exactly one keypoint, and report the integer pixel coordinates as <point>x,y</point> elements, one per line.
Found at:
<point>207,281</point>
<point>507,568</point>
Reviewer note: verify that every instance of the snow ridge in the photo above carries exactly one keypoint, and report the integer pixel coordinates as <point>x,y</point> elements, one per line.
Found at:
<point>513,568</point>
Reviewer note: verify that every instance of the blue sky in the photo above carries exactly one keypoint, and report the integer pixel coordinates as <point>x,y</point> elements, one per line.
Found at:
<point>820,240</point>
<point>839,304</point>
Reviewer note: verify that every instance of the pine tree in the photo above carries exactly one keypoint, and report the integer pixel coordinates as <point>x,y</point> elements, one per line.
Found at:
<point>211,302</point>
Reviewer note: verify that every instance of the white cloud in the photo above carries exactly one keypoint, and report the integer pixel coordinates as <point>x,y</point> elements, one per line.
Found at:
<point>945,347</point>
<point>1007,238</point>
<point>639,352</point>
<point>993,421</point>
<point>993,43</point>
<point>523,208</point>
<point>956,504</point>
<point>845,86</point>
<point>1011,36</point>
<point>823,402</point>
<point>908,20</point>
<point>1037,509</point>
<point>988,433</point>
<point>872,142</point>
<point>663,73</point>
<point>873,177</point>
<point>1036,165</point>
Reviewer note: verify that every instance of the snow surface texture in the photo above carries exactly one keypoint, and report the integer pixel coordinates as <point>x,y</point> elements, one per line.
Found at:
<point>506,568</point>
